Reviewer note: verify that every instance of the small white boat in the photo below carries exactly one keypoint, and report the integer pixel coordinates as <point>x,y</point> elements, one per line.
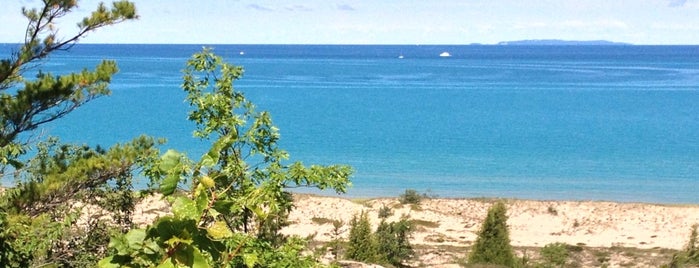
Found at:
<point>242,53</point>
<point>445,54</point>
<point>400,57</point>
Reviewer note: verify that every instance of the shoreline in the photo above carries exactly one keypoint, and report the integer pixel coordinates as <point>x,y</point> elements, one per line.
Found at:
<point>432,195</point>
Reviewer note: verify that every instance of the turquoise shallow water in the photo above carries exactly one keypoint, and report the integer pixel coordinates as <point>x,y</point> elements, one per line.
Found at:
<point>594,122</point>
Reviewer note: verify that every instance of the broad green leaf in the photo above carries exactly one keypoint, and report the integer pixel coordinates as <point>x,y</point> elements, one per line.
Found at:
<point>119,243</point>
<point>170,160</point>
<point>185,208</point>
<point>171,164</point>
<point>107,263</point>
<point>224,206</point>
<point>198,260</point>
<point>169,184</point>
<point>150,247</point>
<point>250,259</point>
<point>186,255</point>
<point>167,264</point>
<point>209,160</point>
<point>219,230</point>
<point>135,238</point>
<point>173,241</point>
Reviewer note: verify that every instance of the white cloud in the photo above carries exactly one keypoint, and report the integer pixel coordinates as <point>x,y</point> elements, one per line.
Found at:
<point>345,7</point>
<point>258,7</point>
<point>677,3</point>
<point>298,8</point>
<point>530,25</point>
<point>674,26</point>
<point>603,23</point>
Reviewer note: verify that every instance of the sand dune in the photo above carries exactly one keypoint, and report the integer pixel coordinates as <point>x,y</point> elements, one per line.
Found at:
<point>532,223</point>
<point>455,222</point>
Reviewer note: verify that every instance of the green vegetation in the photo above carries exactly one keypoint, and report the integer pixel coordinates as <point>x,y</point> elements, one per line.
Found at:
<point>690,255</point>
<point>336,244</point>
<point>230,214</point>
<point>493,243</point>
<point>411,197</point>
<point>555,255</point>
<point>322,221</point>
<point>385,212</point>
<point>27,104</point>
<point>389,245</point>
<point>425,223</point>
<point>237,202</point>
<point>39,215</point>
<point>360,245</point>
<point>393,242</point>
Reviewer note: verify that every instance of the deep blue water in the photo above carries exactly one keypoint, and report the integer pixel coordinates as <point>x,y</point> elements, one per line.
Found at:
<point>564,122</point>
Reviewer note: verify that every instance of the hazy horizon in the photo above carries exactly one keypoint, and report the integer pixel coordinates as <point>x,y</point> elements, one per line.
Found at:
<point>647,22</point>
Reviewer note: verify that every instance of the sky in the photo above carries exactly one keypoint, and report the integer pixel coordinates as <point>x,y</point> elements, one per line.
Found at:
<point>651,22</point>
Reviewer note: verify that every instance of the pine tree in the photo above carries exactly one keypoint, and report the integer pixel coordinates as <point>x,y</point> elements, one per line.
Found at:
<point>361,245</point>
<point>392,242</point>
<point>493,243</point>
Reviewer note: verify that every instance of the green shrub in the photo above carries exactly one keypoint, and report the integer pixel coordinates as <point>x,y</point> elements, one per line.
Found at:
<point>555,254</point>
<point>336,245</point>
<point>392,242</point>
<point>493,243</point>
<point>410,196</point>
<point>361,245</point>
<point>690,254</point>
<point>385,212</point>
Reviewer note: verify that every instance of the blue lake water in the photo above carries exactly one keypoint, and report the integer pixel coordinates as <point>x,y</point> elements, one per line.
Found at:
<point>563,122</point>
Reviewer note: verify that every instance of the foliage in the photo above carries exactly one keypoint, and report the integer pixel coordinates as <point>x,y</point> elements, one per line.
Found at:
<point>390,244</point>
<point>37,227</point>
<point>410,196</point>
<point>690,254</point>
<point>385,212</point>
<point>555,254</point>
<point>40,213</point>
<point>393,242</point>
<point>24,108</point>
<point>335,245</point>
<point>493,243</point>
<point>238,201</point>
<point>361,245</point>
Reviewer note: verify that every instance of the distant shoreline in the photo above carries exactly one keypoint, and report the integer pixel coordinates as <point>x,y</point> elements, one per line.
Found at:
<point>558,42</point>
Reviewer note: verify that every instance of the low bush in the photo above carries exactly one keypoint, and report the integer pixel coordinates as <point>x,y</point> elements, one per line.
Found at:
<point>410,196</point>
<point>555,255</point>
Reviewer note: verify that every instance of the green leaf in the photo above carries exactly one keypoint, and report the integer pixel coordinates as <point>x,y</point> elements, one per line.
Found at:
<point>219,230</point>
<point>169,184</point>
<point>250,259</point>
<point>185,208</point>
<point>224,206</point>
<point>107,263</point>
<point>135,238</point>
<point>167,264</point>
<point>190,256</point>
<point>198,260</point>
<point>208,161</point>
<point>171,164</point>
<point>173,241</point>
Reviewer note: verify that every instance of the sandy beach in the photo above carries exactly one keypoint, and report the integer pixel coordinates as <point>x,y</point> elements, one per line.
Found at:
<point>445,228</point>
<point>454,223</point>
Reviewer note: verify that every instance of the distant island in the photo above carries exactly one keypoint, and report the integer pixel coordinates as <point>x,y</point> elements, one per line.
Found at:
<point>556,42</point>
